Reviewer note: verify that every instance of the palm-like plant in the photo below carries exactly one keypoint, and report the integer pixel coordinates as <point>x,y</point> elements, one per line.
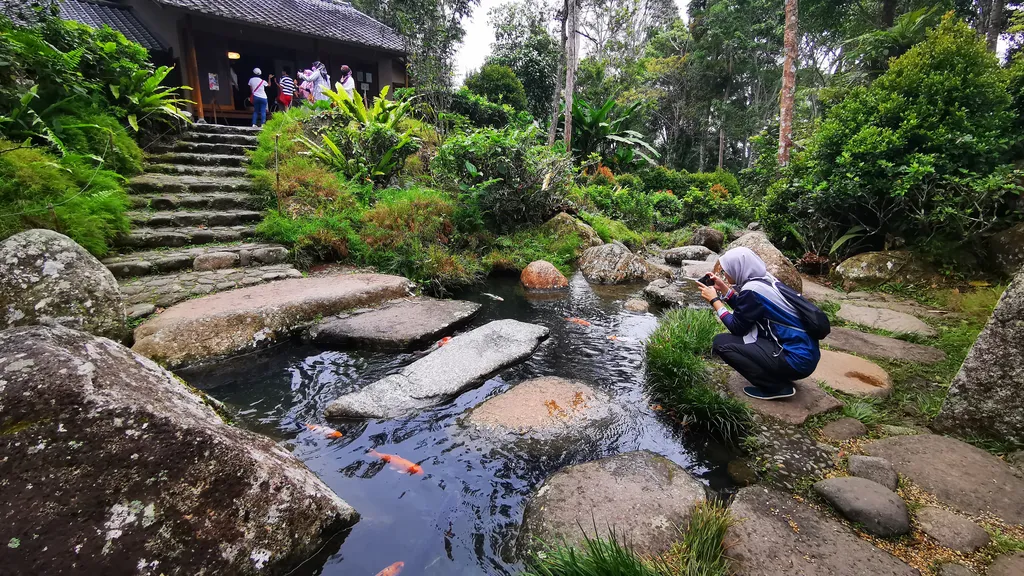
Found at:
<point>603,131</point>
<point>870,53</point>
<point>142,96</point>
<point>386,112</point>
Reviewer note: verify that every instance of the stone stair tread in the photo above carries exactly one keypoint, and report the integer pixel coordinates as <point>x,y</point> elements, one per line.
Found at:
<point>222,148</point>
<point>196,170</point>
<point>196,201</point>
<point>225,138</point>
<point>144,215</point>
<point>224,129</point>
<point>173,260</point>
<point>173,237</point>
<point>168,289</point>
<point>178,219</point>
<point>192,158</point>
<point>157,181</point>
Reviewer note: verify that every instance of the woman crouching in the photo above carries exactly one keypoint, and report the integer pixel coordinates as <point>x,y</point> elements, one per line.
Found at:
<point>768,342</point>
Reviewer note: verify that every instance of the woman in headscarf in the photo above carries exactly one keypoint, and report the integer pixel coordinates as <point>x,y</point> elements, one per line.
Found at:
<point>766,342</point>
<point>319,79</point>
<point>348,84</point>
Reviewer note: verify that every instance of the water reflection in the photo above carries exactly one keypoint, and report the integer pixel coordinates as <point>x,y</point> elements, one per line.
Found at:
<point>462,515</point>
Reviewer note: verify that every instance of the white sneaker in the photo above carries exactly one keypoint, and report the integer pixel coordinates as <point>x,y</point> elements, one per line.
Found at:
<point>255,126</point>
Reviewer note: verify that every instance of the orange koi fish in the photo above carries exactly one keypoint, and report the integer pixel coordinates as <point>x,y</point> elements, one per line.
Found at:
<point>579,321</point>
<point>444,341</point>
<point>398,463</point>
<point>325,431</point>
<point>392,570</point>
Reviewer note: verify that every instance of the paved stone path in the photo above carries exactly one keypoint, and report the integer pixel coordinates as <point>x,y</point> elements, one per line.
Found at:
<point>809,400</point>
<point>193,216</point>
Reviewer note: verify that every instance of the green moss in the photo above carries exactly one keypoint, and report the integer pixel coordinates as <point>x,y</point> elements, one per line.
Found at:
<point>610,230</point>
<point>514,252</point>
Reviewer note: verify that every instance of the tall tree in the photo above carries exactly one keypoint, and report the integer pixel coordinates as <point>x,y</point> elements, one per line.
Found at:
<point>556,91</point>
<point>790,42</point>
<point>524,43</point>
<point>571,43</point>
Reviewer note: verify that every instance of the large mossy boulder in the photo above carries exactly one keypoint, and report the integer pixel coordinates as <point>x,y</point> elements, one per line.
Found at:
<point>1007,249</point>
<point>563,224</point>
<point>986,398</point>
<point>46,278</point>
<point>777,263</point>
<point>872,269</point>
<point>111,465</point>
<point>615,264</point>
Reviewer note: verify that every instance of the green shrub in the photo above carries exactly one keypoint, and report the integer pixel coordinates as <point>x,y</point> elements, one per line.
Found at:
<point>634,208</point>
<point>919,155</point>
<point>109,141</point>
<point>505,178</point>
<point>514,252</point>
<point>498,84</point>
<point>325,233</point>
<point>611,230</point>
<point>88,203</point>
<point>661,178</point>
<point>480,111</point>
<point>279,132</point>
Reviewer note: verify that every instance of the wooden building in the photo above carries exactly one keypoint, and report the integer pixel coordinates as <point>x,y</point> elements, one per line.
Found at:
<point>215,44</point>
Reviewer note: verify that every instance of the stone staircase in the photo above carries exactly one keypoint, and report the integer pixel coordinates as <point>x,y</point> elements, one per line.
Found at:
<point>193,219</point>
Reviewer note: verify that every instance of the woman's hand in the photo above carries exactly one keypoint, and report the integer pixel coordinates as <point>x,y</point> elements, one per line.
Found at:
<point>720,285</point>
<point>708,292</point>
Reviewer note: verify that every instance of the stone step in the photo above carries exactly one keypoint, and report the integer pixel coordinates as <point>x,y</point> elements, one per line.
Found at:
<point>153,262</point>
<point>165,237</point>
<point>169,289</point>
<point>219,138</point>
<point>224,129</point>
<point>193,170</point>
<point>181,183</point>
<point>186,218</point>
<point>201,201</point>
<point>204,148</point>
<point>193,159</point>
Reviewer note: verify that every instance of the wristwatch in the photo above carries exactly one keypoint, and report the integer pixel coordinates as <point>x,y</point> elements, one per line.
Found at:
<point>715,299</point>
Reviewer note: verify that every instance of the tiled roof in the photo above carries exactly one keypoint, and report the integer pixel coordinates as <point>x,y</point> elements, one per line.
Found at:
<point>120,18</point>
<point>333,19</point>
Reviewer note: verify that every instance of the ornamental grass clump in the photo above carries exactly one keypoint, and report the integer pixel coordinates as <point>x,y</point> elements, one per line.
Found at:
<point>679,375</point>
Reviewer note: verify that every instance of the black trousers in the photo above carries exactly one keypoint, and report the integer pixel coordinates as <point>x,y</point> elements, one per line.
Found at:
<point>757,362</point>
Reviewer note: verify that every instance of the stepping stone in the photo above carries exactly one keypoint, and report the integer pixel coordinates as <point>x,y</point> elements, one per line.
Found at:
<point>844,429</point>
<point>884,319</point>
<point>398,325</point>
<point>958,474</point>
<point>810,400</point>
<point>951,531</point>
<point>638,306</point>
<point>1011,564</point>
<point>140,311</point>
<point>876,508</point>
<point>878,470</point>
<point>546,409</point>
<point>465,361</point>
<point>817,293</point>
<point>790,455</point>
<point>775,534</point>
<point>852,375</point>
<point>875,346</point>
<point>955,570</point>
<point>227,323</point>
<point>675,256</point>
<point>643,496</point>
<point>893,430</point>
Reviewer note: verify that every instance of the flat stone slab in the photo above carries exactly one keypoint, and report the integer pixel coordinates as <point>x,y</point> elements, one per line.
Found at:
<point>643,496</point>
<point>810,400</point>
<point>460,364</point>
<point>950,530</point>
<point>875,346</point>
<point>1011,564</point>
<point>776,535</point>
<point>852,375</point>
<point>884,319</point>
<point>844,429</point>
<point>878,470</point>
<point>546,408</point>
<point>876,508</point>
<point>397,325</point>
<point>958,474</point>
<point>227,323</point>
<point>166,290</point>
<point>817,293</point>
<point>789,455</point>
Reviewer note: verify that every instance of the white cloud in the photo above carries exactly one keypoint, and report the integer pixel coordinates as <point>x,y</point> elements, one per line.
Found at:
<point>476,46</point>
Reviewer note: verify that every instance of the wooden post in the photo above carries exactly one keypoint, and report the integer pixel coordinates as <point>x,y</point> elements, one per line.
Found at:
<point>193,68</point>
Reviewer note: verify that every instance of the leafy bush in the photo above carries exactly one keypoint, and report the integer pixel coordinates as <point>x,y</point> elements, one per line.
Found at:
<point>481,112</point>
<point>280,132</point>
<point>634,208</point>
<point>661,178</point>
<point>919,155</point>
<point>88,203</point>
<point>326,232</point>
<point>516,251</point>
<point>101,135</point>
<point>505,178</point>
<point>678,375</point>
<point>498,84</point>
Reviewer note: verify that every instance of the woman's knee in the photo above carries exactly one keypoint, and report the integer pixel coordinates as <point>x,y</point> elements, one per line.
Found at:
<point>720,342</point>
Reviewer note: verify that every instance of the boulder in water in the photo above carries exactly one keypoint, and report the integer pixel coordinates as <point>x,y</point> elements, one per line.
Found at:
<point>709,238</point>
<point>614,264</point>
<point>777,263</point>
<point>46,278</point>
<point>675,256</point>
<point>111,465</point>
<point>542,275</point>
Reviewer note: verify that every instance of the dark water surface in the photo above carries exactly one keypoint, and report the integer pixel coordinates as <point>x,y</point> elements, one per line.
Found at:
<point>462,515</point>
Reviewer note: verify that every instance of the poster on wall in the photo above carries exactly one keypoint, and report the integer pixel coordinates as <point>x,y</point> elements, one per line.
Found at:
<point>214,81</point>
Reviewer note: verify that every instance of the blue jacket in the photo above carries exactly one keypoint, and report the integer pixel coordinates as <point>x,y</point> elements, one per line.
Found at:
<point>750,308</point>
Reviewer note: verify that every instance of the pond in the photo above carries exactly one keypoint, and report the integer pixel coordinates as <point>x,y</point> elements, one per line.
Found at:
<point>462,516</point>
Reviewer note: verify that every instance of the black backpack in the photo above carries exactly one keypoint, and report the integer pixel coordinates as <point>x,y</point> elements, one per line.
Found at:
<point>814,321</point>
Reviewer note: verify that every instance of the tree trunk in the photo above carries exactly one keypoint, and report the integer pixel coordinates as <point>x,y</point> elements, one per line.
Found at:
<point>556,96</point>
<point>721,122</point>
<point>572,24</point>
<point>995,22</point>
<point>788,84</point>
<point>888,13</point>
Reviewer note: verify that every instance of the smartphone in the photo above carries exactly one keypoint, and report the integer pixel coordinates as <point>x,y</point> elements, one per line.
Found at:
<point>706,280</point>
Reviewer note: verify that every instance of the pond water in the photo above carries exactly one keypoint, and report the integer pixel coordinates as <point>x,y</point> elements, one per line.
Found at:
<point>462,516</point>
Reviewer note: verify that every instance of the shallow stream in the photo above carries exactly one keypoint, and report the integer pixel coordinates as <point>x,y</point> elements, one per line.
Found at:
<point>461,517</point>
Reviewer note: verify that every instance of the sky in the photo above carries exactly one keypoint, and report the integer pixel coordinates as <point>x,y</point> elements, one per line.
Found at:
<point>479,35</point>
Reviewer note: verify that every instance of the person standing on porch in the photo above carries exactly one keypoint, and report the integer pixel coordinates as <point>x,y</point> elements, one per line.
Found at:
<point>258,92</point>
<point>287,88</point>
<point>347,82</point>
<point>320,80</point>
